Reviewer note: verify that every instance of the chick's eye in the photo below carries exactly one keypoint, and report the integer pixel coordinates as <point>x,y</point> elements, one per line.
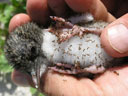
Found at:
<point>34,53</point>
<point>33,50</point>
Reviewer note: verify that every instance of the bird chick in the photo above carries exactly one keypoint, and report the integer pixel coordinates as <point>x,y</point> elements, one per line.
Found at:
<point>66,47</point>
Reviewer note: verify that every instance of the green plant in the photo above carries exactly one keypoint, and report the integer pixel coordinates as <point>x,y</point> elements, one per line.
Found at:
<point>35,92</point>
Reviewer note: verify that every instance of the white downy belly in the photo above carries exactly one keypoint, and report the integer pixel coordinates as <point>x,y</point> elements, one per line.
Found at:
<point>85,51</point>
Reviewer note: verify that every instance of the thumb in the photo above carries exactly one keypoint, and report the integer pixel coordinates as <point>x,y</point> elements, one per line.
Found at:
<point>114,37</point>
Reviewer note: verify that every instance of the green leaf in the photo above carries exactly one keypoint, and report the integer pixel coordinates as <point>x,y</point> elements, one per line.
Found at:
<point>35,92</point>
<point>4,66</point>
<point>41,94</point>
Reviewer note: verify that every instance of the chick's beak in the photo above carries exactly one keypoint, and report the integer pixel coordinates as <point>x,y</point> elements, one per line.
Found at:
<point>36,76</point>
<point>40,67</point>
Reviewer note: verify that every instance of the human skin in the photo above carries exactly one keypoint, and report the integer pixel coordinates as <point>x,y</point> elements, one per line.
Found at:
<point>55,84</point>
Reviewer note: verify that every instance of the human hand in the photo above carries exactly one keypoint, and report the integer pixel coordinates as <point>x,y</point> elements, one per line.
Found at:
<point>56,84</point>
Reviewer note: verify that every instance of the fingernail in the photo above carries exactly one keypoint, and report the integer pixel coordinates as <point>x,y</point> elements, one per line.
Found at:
<point>118,38</point>
<point>21,80</point>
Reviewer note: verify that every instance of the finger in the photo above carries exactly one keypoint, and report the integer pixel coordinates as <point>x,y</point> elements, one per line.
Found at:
<point>110,18</point>
<point>18,20</point>
<point>114,82</point>
<point>38,10</point>
<point>22,79</point>
<point>95,7</point>
<point>19,78</point>
<point>114,37</point>
<point>59,7</point>
<point>66,85</point>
